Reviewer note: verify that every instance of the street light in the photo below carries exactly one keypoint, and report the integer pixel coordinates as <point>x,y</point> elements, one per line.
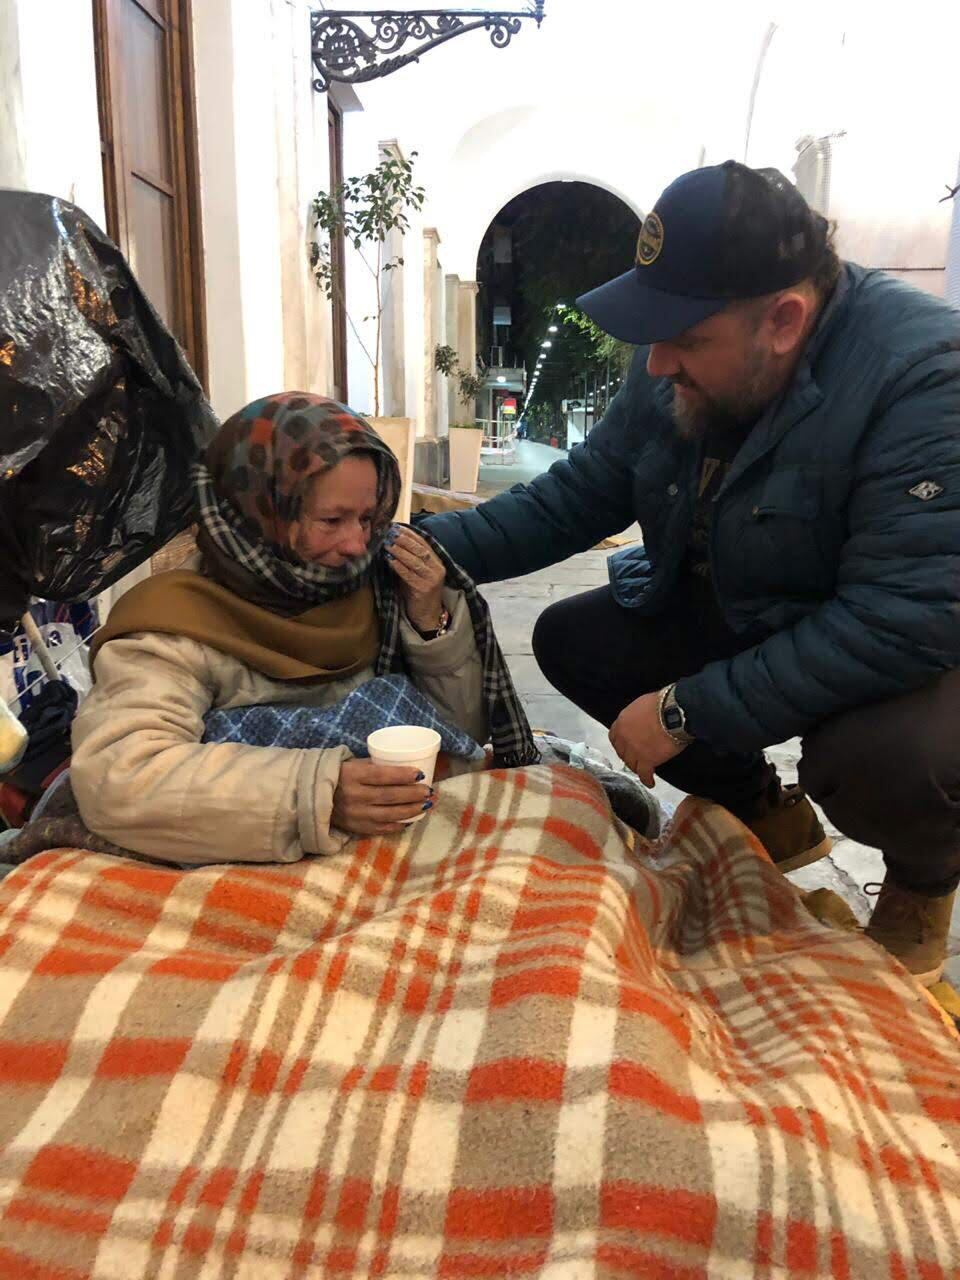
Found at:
<point>547,343</point>
<point>552,329</point>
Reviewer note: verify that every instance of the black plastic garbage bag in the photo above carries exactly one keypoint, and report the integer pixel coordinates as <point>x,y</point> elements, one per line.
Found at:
<point>100,414</point>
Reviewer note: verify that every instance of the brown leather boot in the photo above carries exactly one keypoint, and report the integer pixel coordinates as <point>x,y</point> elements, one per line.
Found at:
<point>829,908</point>
<point>786,824</point>
<point>913,928</point>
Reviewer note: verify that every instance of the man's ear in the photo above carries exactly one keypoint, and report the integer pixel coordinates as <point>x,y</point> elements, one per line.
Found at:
<point>787,321</point>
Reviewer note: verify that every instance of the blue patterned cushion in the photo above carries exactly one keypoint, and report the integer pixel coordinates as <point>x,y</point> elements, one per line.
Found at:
<point>381,702</point>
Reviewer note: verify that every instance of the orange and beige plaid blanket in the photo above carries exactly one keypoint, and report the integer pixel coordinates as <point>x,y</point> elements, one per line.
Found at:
<point>503,1045</point>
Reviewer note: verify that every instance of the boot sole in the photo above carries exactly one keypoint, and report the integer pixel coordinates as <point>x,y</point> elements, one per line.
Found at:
<point>804,859</point>
<point>927,979</point>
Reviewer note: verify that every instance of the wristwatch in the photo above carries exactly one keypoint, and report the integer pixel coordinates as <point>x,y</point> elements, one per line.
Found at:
<point>673,719</point>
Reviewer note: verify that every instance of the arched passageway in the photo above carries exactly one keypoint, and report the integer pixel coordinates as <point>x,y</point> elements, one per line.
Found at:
<point>546,246</point>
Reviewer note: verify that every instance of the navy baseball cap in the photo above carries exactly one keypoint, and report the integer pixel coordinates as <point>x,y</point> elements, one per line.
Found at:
<point>717,234</point>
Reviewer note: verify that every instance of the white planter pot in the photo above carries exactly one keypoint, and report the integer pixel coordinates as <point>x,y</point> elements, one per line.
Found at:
<point>465,446</point>
<point>399,434</point>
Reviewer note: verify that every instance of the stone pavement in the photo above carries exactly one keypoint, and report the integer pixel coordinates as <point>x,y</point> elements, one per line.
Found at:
<point>531,459</point>
<point>516,604</point>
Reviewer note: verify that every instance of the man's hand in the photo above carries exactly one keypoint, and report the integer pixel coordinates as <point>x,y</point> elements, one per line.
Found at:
<point>640,740</point>
<point>376,799</point>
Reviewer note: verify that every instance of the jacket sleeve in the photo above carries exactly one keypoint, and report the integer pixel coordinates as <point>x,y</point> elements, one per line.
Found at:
<point>143,778</point>
<point>448,670</point>
<point>573,506</point>
<point>894,622</point>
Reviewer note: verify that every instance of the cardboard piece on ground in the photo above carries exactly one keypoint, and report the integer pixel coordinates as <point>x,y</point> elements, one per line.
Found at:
<point>437,501</point>
<point>399,434</point>
<point>948,1003</point>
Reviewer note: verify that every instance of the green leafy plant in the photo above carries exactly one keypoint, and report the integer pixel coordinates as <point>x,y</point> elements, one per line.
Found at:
<point>618,353</point>
<point>365,210</point>
<point>469,385</point>
<point>445,359</point>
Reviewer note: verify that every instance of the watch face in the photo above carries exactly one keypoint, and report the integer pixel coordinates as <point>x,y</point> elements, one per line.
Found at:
<point>673,719</point>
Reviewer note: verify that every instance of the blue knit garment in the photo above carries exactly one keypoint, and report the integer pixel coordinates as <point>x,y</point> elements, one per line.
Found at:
<point>378,704</point>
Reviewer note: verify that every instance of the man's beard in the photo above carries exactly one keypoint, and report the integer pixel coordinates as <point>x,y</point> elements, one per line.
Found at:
<point>738,409</point>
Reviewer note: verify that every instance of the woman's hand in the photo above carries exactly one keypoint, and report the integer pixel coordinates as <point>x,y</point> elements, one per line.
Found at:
<point>421,575</point>
<point>375,799</point>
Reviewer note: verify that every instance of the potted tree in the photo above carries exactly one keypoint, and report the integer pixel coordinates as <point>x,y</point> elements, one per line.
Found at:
<point>466,438</point>
<point>365,210</point>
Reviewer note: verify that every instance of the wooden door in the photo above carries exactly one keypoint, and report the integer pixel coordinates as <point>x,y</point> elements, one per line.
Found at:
<point>148,132</point>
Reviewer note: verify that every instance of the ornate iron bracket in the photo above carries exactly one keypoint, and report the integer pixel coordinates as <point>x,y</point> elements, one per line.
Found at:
<point>343,51</point>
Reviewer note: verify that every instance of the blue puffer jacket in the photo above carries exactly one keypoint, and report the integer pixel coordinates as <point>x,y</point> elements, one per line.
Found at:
<point>836,533</point>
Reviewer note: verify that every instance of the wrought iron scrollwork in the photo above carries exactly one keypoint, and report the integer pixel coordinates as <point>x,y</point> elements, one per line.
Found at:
<point>344,51</point>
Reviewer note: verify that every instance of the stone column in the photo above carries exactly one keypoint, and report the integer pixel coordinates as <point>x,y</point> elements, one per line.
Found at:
<point>432,328</point>
<point>466,342</point>
<point>953,253</point>
<point>451,338</point>
<point>393,354</point>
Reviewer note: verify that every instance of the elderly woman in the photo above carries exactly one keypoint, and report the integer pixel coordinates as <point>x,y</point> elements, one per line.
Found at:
<point>299,595</point>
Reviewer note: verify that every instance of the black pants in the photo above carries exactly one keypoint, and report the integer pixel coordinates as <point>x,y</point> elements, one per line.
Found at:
<point>886,774</point>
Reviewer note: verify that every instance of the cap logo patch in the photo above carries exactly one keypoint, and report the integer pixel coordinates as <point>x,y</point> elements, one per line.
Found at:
<point>926,490</point>
<point>650,242</point>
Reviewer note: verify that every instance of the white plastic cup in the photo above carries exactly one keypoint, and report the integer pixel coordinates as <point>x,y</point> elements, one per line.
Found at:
<point>13,739</point>
<point>409,745</point>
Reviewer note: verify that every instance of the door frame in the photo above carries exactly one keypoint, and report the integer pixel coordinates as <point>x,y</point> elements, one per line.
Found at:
<point>182,121</point>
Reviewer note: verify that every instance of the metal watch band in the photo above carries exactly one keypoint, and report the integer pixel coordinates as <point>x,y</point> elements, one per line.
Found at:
<point>677,730</point>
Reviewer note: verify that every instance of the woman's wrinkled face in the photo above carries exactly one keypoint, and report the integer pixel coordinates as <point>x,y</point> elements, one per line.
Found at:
<point>338,513</point>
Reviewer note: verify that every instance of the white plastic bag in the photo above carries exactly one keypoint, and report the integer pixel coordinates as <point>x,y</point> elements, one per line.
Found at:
<point>64,628</point>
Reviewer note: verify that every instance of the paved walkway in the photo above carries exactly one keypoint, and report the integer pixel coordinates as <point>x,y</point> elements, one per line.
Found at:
<point>531,460</point>
<point>516,604</point>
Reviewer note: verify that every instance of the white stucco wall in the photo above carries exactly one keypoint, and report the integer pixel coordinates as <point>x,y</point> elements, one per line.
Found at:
<point>488,124</point>
<point>49,93</point>
<point>13,160</point>
<point>553,146</point>
<point>890,87</point>
<point>263,154</point>
<point>627,98</point>
<point>365,134</point>
<point>362,152</point>
<point>569,101</point>
<point>618,95</point>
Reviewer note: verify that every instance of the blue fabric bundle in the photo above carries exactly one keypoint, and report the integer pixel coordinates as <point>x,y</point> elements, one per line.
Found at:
<point>378,704</point>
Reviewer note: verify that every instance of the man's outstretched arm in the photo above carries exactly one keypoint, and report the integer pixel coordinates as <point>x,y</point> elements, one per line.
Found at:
<point>573,506</point>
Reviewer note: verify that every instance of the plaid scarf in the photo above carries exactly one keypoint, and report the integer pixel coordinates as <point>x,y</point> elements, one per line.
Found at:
<point>250,490</point>
<point>509,730</point>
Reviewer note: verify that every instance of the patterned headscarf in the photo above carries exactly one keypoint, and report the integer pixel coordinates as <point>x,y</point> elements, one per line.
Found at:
<point>253,483</point>
<point>250,489</point>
